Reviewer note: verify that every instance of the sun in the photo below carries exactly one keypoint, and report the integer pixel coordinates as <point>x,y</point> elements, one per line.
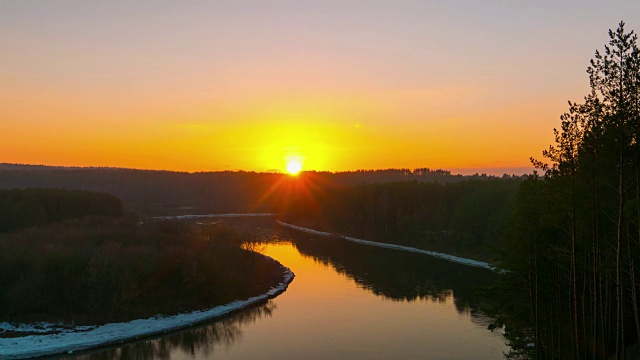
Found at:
<point>294,167</point>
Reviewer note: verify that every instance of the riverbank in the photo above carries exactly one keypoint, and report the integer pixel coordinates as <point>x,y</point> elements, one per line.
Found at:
<point>347,302</point>
<point>207,216</point>
<point>452,258</point>
<point>97,271</point>
<point>59,339</point>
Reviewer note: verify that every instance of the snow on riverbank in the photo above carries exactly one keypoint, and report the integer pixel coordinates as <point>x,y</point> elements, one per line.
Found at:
<point>447,257</point>
<point>182,217</point>
<point>82,338</point>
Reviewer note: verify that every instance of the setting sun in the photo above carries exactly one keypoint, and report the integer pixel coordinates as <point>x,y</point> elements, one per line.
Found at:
<point>294,167</point>
<point>396,155</point>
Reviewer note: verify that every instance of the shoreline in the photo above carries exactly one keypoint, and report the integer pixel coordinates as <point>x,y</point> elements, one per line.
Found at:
<point>205,216</point>
<point>447,257</point>
<point>84,338</point>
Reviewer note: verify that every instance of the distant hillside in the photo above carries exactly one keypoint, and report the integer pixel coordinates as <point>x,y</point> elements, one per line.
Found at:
<point>32,167</point>
<point>167,192</point>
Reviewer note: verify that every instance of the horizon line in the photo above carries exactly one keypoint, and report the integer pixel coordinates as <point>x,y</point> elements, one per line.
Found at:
<point>455,171</point>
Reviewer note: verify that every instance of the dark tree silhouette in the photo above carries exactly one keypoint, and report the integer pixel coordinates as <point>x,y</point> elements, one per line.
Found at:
<point>579,225</point>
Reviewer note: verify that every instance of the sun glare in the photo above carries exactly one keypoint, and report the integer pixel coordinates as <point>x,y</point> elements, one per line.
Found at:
<point>294,167</point>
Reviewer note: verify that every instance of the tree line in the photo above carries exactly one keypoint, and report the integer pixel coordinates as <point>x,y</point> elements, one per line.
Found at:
<point>154,193</point>
<point>22,208</point>
<point>76,256</point>
<point>464,218</point>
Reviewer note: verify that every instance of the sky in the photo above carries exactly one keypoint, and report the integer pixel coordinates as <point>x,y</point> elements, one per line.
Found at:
<point>469,86</point>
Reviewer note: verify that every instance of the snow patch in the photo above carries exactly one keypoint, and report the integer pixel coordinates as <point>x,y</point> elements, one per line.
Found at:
<point>41,327</point>
<point>69,339</point>
<point>182,217</point>
<point>438,255</point>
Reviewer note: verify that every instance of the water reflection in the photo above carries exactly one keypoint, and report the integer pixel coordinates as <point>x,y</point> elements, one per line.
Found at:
<point>399,275</point>
<point>422,308</point>
<point>204,340</point>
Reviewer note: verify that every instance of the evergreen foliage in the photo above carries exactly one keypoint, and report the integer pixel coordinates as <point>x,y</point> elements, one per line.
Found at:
<point>573,247</point>
<point>101,269</point>
<point>21,208</point>
<point>463,218</point>
<point>154,193</point>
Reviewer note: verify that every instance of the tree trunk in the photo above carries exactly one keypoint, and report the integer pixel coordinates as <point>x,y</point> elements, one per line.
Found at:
<point>574,286</point>
<point>631,253</point>
<point>596,254</point>
<point>619,320</point>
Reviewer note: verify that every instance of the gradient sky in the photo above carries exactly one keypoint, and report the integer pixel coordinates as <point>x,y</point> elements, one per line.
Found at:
<point>221,85</point>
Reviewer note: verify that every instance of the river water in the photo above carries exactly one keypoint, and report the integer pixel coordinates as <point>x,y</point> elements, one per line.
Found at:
<point>347,301</point>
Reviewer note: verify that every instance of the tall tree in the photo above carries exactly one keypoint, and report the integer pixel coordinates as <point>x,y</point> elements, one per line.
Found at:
<point>592,221</point>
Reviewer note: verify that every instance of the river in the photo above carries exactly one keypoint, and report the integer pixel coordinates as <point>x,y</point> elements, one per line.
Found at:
<point>347,301</point>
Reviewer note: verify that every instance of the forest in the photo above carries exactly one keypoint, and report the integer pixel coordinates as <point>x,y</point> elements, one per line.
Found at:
<point>429,209</point>
<point>152,193</point>
<point>571,253</point>
<point>84,261</point>
<point>464,218</point>
<point>22,208</point>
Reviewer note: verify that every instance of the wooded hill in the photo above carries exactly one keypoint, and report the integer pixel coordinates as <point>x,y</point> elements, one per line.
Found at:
<point>74,256</point>
<point>172,193</point>
<point>465,218</point>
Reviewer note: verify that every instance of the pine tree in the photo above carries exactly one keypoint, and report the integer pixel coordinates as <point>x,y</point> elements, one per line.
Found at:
<point>589,235</point>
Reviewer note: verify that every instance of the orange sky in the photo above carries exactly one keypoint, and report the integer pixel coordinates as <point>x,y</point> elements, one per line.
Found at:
<point>341,85</point>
